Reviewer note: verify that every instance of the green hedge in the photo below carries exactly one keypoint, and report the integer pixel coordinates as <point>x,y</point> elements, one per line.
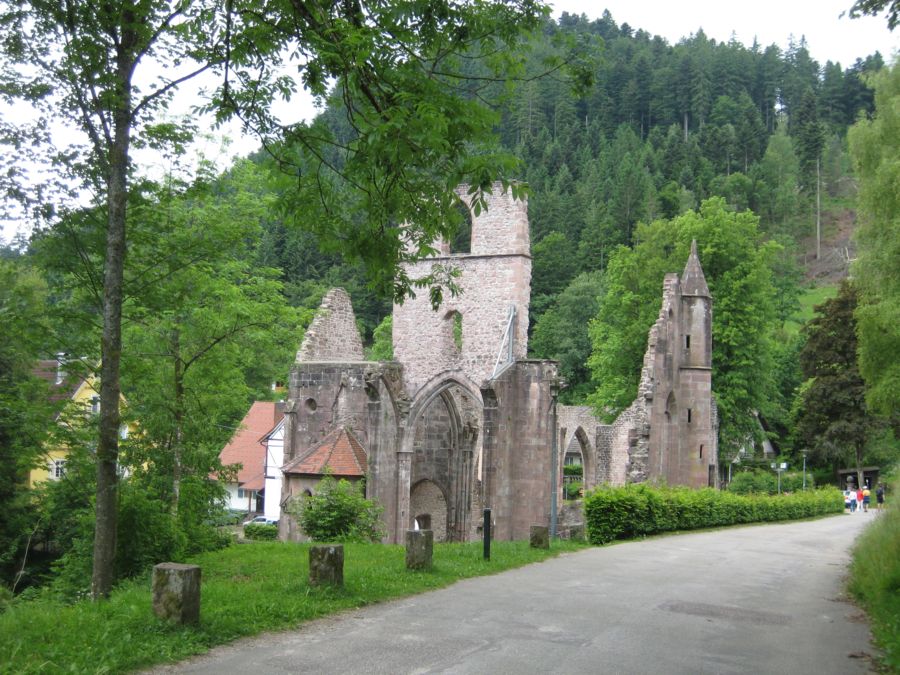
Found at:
<point>261,531</point>
<point>638,510</point>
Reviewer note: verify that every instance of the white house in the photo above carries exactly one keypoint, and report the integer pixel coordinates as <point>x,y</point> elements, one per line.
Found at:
<point>247,452</point>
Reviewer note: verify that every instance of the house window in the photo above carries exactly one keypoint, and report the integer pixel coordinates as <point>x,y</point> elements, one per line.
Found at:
<point>95,405</point>
<point>689,415</point>
<point>701,451</point>
<point>687,341</point>
<point>58,469</point>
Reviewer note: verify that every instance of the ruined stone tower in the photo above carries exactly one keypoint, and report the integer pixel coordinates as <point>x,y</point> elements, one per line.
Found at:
<point>462,420</point>
<point>670,432</point>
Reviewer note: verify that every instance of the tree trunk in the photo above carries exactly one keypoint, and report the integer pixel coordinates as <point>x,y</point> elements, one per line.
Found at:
<point>859,470</point>
<point>179,421</point>
<point>103,574</point>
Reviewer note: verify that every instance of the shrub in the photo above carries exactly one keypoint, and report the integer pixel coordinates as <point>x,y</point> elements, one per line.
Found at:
<point>638,510</point>
<point>573,470</point>
<point>573,489</point>
<point>766,482</point>
<point>338,512</point>
<point>261,531</point>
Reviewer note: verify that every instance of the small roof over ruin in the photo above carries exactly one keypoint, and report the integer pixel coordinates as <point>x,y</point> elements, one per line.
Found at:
<point>693,281</point>
<point>340,452</point>
<point>332,335</point>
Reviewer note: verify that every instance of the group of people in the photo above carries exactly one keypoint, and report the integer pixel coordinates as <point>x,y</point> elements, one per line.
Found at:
<point>860,498</point>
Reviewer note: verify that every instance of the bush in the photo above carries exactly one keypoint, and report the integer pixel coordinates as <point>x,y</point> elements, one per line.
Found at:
<point>338,512</point>
<point>261,531</point>
<point>573,489</point>
<point>639,510</point>
<point>766,482</point>
<point>573,470</point>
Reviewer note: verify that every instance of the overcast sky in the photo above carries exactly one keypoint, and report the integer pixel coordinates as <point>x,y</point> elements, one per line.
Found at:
<point>829,37</point>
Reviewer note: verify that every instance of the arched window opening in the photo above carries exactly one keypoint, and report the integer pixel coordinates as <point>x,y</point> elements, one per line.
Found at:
<point>461,241</point>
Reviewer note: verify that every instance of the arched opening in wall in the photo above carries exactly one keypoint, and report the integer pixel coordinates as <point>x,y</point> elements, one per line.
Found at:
<point>461,241</point>
<point>307,493</point>
<point>428,501</point>
<point>453,330</point>
<point>445,442</point>
<point>669,438</point>
<point>573,469</point>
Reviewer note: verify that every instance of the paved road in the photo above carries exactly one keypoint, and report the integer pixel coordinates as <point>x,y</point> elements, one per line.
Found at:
<point>762,599</point>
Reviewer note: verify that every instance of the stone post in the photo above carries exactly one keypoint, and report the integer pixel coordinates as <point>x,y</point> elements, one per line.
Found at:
<point>176,592</point>
<point>540,536</point>
<point>419,548</point>
<point>326,565</point>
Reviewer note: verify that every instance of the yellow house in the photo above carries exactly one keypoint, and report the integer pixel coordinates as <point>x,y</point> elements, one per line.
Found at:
<point>73,394</point>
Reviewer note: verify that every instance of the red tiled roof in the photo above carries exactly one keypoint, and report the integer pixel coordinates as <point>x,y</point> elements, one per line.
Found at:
<point>47,370</point>
<point>245,447</point>
<point>339,451</point>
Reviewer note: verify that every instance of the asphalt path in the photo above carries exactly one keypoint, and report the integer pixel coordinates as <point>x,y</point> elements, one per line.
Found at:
<point>757,599</point>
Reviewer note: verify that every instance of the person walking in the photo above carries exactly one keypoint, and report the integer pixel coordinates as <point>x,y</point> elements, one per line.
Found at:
<point>866,497</point>
<point>879,496</point>
<point>852,500</point>
<point>859,499</point>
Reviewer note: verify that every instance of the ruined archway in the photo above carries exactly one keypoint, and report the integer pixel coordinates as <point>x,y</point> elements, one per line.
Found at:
<point>440,442</point>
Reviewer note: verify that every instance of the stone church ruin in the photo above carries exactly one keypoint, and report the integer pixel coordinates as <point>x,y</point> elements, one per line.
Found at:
<point>462,420</point>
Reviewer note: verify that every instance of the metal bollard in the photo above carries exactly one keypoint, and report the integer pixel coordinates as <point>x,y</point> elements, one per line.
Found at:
<point>486,531</point>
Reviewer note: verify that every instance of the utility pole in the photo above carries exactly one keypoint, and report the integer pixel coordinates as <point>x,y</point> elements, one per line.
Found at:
<point>818,208</point>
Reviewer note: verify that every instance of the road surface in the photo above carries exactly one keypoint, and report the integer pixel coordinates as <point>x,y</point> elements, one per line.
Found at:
<point>758,599</point>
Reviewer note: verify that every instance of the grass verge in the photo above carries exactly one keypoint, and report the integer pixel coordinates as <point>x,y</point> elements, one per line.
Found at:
<point>875,580</point>
<point>246,590</point>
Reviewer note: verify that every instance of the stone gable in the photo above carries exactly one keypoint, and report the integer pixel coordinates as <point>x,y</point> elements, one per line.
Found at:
<point>332,335</point>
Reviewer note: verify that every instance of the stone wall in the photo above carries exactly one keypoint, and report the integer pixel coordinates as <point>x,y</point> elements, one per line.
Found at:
<point>493,277</point>
<point>517,446</point>
<point>428,499</point>
<point>332,335</point>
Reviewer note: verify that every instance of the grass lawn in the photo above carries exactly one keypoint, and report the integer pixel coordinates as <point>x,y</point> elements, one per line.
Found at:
<point>875,579</point>
<point>246,589</point>
<point>809,298</point>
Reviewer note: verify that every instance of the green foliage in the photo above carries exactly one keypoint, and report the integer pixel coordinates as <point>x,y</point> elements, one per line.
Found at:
<point>573,489</point>
<point>382,348</point>
<point>766,482</point>
<point>561,333</point>
<point>573,470</point>
<point>246,590</point>
<point>831,416</point>
<point>738,268</point>
<point>261,531</point>
<point>875,580</point>
<point>338,512</point>
<point>640,510</point>
<point>875,147</point>
<point>24,408</point>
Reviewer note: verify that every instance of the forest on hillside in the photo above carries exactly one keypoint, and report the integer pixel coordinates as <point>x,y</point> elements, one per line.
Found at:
<point>652,145</point>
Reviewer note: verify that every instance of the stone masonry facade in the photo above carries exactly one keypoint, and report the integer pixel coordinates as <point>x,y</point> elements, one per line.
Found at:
<point>452,427</point>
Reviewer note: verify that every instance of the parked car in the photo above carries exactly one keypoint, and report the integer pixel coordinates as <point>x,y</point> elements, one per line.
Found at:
<point>260,520</point>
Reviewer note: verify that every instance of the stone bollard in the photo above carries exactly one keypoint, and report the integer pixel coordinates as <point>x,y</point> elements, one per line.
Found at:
<point>326,565</point>
<point>540,536</point>
<point>419,549</point>
<point>176,592</point>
